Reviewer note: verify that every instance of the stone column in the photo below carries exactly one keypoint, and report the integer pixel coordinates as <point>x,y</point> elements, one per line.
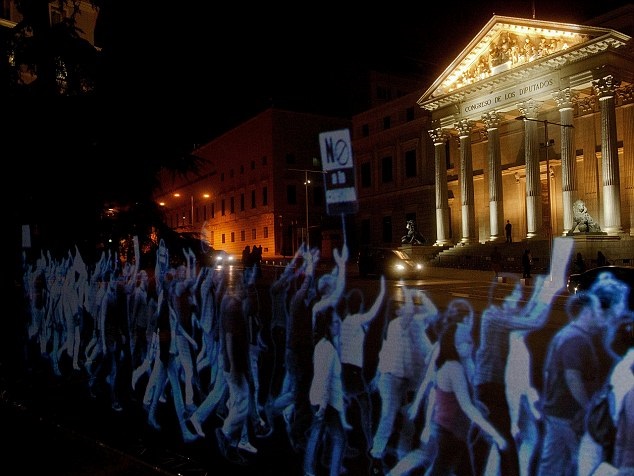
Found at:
<point>564,100</point>
<point>605,89</point>
<point>466,182</point>
<point>496,197</point>
<point>439,138</point>
<point>529,110</point>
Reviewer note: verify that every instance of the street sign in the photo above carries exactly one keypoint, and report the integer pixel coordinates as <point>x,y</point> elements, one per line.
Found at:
<point>338,167</point>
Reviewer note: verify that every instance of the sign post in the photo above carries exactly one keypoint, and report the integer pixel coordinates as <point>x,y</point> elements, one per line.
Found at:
<point>337,163</point>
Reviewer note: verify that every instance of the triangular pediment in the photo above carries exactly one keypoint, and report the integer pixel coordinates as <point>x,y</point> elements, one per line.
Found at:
<point>508,44</point>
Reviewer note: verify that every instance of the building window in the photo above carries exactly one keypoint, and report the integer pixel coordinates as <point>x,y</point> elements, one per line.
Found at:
<point>318,196</point>
<point>211,238</point>
<point>204,212</point>
<point>254,235</point>
<point>410,163</point>
<point>224,238</point>
<point>409,114</point>
<point>253,165</point>
<point>382,92</point>
<point>291,194</point>
<point>265,196</point>
<point>252,198</point>
<point>266,232</point>
<point>365,130</point>
<point>222,208</point>
<point>242,202</point>
<point>233,237</point>
<point>366,175</point>
<point>241,169</point>
<point>213,210</point>
<point>387,122</point>
<point>243,235</point>
<point>366,231</point>
<point>387,229</point>
<point>386,169</point>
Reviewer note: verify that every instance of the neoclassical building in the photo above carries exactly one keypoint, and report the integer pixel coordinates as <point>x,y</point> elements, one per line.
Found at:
<point>533,120</point>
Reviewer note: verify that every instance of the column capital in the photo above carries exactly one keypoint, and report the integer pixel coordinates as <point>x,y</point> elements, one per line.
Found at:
<point>565,98</point>
<point>530,108</point>
<point>464,127</point>
<point>625,94</point>
<point>606,87</point>
<point>491,120</point>
<point>438,136</point>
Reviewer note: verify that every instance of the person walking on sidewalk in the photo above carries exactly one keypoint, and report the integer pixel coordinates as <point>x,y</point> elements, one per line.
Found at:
<point>496,261</point>
<point>507,230</point>
<point>527,262</point>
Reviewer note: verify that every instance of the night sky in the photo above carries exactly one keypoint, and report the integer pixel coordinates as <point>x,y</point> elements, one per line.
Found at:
<point>176,78</point>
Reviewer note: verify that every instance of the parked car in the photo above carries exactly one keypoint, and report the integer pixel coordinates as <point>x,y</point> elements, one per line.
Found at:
<point>389,262</point>
<point>583,281</point>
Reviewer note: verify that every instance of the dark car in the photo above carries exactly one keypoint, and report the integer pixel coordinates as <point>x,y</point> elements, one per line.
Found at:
<point>583,281</point>
<point>389,262</point>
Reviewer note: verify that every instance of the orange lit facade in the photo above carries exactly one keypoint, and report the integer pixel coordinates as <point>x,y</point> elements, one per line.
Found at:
<point>249,189</point>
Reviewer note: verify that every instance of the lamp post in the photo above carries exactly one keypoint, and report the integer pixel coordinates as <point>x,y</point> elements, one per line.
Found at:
<point>306,183</point>
<point>547,144</point>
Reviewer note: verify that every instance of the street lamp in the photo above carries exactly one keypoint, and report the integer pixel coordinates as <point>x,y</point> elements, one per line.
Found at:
<point>306,183</point>
<point>547,144</point>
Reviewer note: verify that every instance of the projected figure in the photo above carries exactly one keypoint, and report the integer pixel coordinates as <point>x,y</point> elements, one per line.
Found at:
<point>299,354</point>
<point>140,317</point>
<point>57,315</point>
<point>496,325</point>
<point>330,287</point>
<point>280,317</point>
<point>37,286</point>
<point>114,319</point>
<point>454,411</point>
<point>326,397</point>
<point>235,348</point>
<point>572,373</point>
<point>166,368</point>
<point>72,304</point>
<point>182,302</point>
<point>459,310</point>
<point>257,327</point>
<point>613,295</point>
<point>522,398</point>
<point>353,331</point>
<point>213,286</point>
<point>400,369</point>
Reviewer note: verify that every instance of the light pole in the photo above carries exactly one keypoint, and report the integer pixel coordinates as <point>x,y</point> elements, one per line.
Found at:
<point>547,144</point>
<point>306,183</point>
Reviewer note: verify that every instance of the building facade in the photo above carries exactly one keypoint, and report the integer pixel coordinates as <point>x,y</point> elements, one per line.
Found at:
<point>259,184</point>
<point>532,121</point>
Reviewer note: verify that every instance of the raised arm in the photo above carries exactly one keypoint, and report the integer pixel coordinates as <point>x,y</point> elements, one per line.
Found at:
<point>374,310</point>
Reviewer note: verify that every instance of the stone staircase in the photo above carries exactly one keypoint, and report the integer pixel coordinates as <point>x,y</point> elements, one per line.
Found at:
<point>477,256</point>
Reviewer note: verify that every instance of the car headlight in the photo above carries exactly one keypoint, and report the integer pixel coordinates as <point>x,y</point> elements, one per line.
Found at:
<point>399,267</point>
